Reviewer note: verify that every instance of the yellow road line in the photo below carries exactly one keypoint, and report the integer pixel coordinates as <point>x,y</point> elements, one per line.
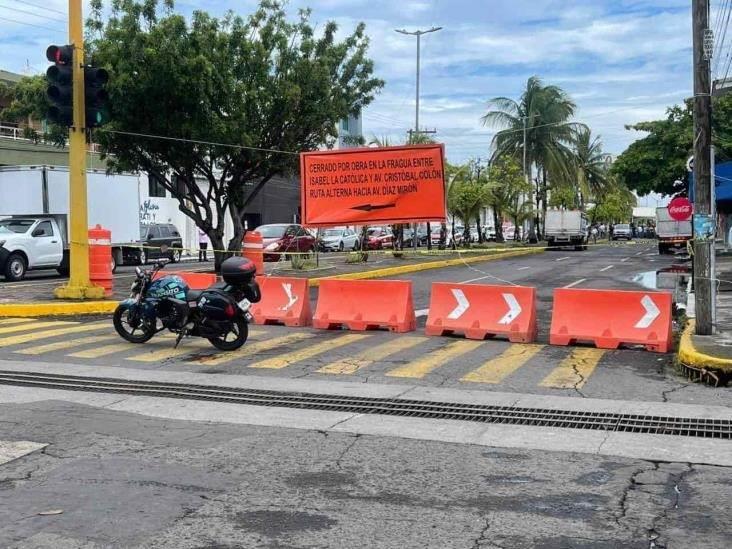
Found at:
<point>34,326</point>
<point>9,321</point>
<point>61,345</point>
<point>498,368</point>
<point>286,359</point>
<point>574,370</point>
<point>366,358</point>
<point>33,336</point>
<point>185,348</point>
<point>249,350</point>
<point>423,366</point>
<point>105,350</point>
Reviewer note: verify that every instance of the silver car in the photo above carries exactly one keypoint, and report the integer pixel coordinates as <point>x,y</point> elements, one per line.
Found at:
<point>338,239</point>
<point>622,231</point>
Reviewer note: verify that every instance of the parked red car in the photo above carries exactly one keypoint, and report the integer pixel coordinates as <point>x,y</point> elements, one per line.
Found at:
<point>284,237</point>
<point>378,238</point>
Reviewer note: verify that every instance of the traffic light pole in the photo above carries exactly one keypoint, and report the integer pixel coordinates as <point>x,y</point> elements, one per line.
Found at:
<point>79,286</point>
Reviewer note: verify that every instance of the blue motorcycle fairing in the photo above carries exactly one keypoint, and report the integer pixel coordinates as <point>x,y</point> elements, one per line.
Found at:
<point>167,286</point>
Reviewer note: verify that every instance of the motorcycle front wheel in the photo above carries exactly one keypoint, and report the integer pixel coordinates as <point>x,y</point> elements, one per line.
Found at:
<point>234,338</point>
<point>133,330</point>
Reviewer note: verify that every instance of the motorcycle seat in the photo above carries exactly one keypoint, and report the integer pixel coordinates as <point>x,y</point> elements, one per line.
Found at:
<point>193,295</point>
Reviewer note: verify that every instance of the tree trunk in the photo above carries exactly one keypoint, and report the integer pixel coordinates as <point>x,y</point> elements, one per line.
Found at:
<point>466,232</point>
<point>443,236</point>
<point>477,225</point>
<point>453,233</point>
<point>429,236</point>
<point>217,244</point>
<point>544,200</point>
<point>497,224</point>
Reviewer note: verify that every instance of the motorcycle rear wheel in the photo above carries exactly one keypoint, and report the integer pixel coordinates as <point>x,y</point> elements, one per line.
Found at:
<point>240,330</point>
<point>124,328</point>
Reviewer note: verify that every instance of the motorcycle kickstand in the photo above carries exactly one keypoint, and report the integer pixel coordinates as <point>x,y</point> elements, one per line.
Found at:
<point>183,333</point>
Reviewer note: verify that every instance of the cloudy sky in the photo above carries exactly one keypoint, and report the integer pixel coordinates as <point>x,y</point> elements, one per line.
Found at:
<point>621,61</point>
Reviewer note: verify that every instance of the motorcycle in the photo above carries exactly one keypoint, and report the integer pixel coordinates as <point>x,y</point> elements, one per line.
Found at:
<point>219,313</point>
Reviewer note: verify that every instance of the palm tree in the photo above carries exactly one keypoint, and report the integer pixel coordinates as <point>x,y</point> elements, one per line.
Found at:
<point>546,110</point>
<point>590,166</point>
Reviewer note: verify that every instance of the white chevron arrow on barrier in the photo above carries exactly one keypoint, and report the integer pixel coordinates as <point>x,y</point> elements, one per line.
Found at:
<point>462,304</point>
<point>514,309</point>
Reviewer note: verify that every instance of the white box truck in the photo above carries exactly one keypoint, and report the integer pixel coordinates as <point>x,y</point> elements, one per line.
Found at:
<point>671,234</point>
<point>34,208</point>
<point>566,228</point>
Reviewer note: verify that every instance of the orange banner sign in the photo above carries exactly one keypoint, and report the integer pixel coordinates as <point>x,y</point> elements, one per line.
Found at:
<point>373,186</point>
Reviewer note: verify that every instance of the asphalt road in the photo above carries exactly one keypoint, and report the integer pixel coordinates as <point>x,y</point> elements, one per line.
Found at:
<point>381,357</point>
<point>94,470</point>
<point>109,479</point>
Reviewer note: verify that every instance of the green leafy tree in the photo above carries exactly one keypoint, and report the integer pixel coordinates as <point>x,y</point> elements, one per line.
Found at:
<point>657,160</point>
<point>28,101</point>
<point>564,197</point>
<point>614,206</point>
<point>546,111</point>
<point>235,98</point>
<point>654,162</point>
<point>507,193</point>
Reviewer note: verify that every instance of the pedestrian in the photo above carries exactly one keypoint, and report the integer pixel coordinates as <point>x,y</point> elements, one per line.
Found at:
<point>593,232</point>
<point>202,246</point>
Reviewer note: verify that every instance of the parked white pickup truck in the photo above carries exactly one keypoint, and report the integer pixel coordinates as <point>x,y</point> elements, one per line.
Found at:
<point>31,243</point>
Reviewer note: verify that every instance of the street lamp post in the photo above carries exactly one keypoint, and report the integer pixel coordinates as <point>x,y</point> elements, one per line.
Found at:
<point>418,34</point>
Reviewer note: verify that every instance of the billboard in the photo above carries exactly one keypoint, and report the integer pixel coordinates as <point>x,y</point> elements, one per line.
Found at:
<point>372,186</point>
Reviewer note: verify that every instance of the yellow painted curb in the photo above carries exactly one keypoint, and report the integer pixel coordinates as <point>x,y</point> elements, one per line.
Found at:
<point>60,308</point>
<point>689,355</point>
<point>404,269</point>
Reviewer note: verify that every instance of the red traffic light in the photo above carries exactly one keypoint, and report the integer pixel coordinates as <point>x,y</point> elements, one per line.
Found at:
<point>62,55</point>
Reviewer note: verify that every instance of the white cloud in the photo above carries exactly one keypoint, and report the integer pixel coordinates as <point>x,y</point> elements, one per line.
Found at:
<point>621,60</point>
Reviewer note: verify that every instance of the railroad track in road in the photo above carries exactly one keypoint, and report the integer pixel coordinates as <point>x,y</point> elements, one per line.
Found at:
<point>507,415</point>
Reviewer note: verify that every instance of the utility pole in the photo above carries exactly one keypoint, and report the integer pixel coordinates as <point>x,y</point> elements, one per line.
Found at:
<point>703,243</point>
<point>418,34</point>
<point>79,286</point>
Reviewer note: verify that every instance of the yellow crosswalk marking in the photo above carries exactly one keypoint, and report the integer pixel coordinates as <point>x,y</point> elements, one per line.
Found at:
<point>498,368</point>
<point>106,350</point>
<point>34,326</point>
<point>8,321</point>
<point>45,334</point>
<point>366,358</point>
<point>310,351</point>
<point>62,345</point>
<point>423,366</point>
<point>574,370</point>
<point>249,350</point>
<point>185,348</point>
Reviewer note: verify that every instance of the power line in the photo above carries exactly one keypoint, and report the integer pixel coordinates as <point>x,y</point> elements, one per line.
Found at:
<point>724,26</point>
<point>39,7</point>
<point>196,141</point>
<point>32,25</point>
<point>26,12</point>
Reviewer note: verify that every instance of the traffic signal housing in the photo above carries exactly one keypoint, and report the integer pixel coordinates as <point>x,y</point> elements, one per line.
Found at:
<point>96,98</point>
<point>60,91</point>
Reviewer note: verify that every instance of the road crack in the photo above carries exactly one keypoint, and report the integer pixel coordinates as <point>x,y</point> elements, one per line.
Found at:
<point>347,449</point>
<point>664,394</point>
<point>482,536</point>
<point>580,381</point>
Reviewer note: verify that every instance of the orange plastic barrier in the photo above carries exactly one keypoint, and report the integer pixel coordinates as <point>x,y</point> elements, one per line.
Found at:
<point>100,259</point>
<point>365,305</point>
<point>195,281</point>
<point>284,301</point>
<point>482,310</point>
<point>609,318</point>
<point>253,249</point>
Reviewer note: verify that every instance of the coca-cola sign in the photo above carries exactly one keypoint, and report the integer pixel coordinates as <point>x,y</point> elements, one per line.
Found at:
<point>679,209</point>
